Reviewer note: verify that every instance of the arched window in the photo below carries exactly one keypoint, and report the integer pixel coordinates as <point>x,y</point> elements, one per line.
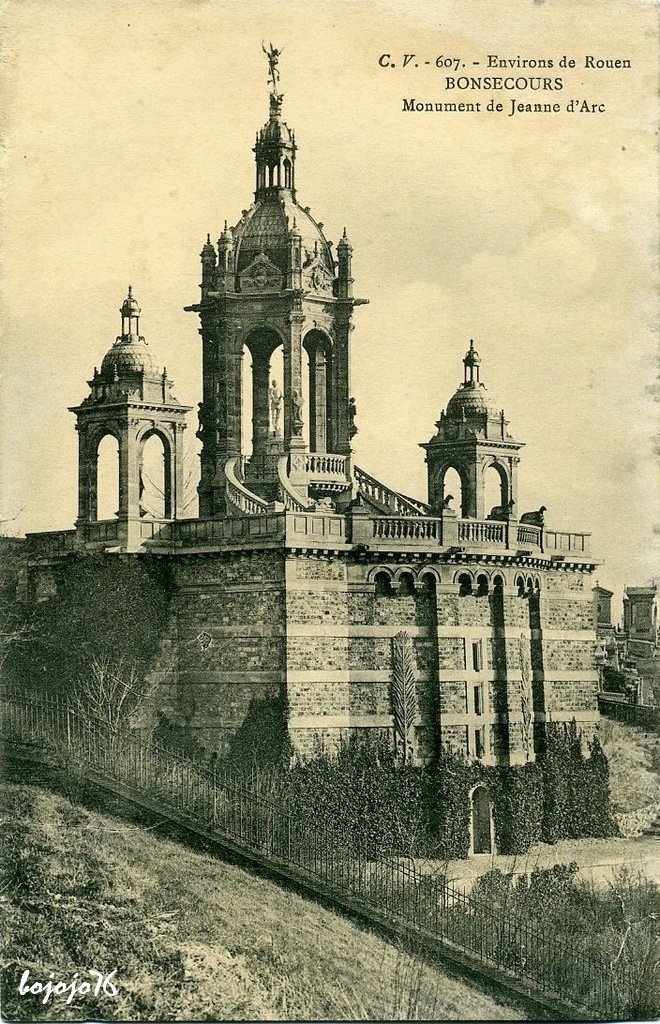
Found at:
<point>465,584</point>
<point>482,585</point>
<point>498,584</point>
<point>520,585</point>
<point>107,478</point>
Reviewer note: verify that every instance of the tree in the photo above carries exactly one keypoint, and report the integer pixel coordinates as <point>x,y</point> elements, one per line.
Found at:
<point>109,694</point>
<point>405,707</point>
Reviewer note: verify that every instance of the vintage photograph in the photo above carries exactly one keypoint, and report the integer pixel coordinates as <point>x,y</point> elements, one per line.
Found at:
<point>329,533</point>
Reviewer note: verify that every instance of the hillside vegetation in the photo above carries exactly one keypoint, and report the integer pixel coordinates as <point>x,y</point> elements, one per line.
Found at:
<point>634,760</point>
<point>191,937</point>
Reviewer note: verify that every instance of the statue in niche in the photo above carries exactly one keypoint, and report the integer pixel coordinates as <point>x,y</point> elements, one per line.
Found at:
<point>296,412</point>
<point>352,412</point>
<point>275,399</point>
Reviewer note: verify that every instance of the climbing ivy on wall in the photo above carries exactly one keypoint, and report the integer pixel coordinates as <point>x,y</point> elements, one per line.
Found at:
<point>576,795</point>
<point>372,798</point>
<point>105,606</point>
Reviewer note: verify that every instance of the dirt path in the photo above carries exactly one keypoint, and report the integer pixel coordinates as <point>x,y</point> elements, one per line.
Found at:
<point>598,859</point>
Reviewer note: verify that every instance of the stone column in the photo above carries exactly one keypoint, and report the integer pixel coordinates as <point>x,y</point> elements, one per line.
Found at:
<point>260,401</point>
<point>86,472</point>
<point>340,441</point>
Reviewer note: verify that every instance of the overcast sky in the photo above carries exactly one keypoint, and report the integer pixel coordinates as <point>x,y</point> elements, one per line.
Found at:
<point>129,128</point>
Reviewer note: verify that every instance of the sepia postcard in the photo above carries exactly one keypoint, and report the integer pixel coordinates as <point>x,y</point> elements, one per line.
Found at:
<point>329,510</point>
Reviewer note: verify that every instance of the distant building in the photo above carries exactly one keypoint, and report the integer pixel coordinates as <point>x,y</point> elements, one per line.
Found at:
<point>640,615</point>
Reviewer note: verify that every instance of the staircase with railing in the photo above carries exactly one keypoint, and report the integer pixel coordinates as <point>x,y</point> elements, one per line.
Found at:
<point>385,499</point>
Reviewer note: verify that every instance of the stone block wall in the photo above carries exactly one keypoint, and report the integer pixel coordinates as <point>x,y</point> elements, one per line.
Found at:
<point>227,620</point>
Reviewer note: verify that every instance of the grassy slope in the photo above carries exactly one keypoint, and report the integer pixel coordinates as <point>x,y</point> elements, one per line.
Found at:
<point>634,757</point>
<point>191,936</point>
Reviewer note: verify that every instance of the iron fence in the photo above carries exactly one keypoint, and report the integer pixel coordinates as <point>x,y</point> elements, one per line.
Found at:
<point>383,886</point>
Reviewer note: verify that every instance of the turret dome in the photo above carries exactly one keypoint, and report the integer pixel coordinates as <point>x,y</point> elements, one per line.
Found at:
<point>130,355</point>
<point>130,352</point>
<point>471,399</point>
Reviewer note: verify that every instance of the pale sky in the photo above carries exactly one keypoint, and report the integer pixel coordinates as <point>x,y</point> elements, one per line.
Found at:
<point>128,135</point>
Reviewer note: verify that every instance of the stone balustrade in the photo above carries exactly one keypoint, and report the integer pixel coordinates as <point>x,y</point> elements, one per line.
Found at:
<point>302,527</point>
<point>325,466</point>
<point>559,543</point>
<point>483,531</point>
<point>49,545</point>
<point>412,530</point>
<point>531,536</point>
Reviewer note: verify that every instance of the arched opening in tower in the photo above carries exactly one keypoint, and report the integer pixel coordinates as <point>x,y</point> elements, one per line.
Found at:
<point>262,392</point>
<point>318,382</point>
<point>107,478</point>
<point>154,483</point>
<point>496,488</point>
<point>452,487</point>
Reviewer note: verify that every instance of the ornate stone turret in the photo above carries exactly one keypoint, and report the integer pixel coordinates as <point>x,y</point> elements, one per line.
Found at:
<point>275,283</point>
<point>130,399</point>
<point>472,437</point>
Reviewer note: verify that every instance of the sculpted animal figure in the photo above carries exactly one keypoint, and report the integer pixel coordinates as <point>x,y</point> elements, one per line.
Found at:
<point>502,511</point>
<point>534,518</point>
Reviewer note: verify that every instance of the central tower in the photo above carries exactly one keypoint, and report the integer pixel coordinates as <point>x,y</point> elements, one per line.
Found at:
<point>273,281</point>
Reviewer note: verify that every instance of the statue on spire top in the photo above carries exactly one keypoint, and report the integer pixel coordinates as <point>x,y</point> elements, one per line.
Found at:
<point>273,58</point>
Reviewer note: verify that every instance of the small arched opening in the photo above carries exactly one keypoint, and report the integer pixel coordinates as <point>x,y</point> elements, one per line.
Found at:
<point>520,586</point>
<point>107,479</point>
<point>383,584</point>
<point>496,487</point>
<point>498,584</point>
<point>452,487</point>
<point>481,821</point>
<point>482,585</point>
<point>155,485</point>
<point>406,585</point>
<point>464,584</point>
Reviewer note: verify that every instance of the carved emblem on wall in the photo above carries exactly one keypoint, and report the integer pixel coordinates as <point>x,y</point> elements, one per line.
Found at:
<point>261,276</point>
<point>318,278</point>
